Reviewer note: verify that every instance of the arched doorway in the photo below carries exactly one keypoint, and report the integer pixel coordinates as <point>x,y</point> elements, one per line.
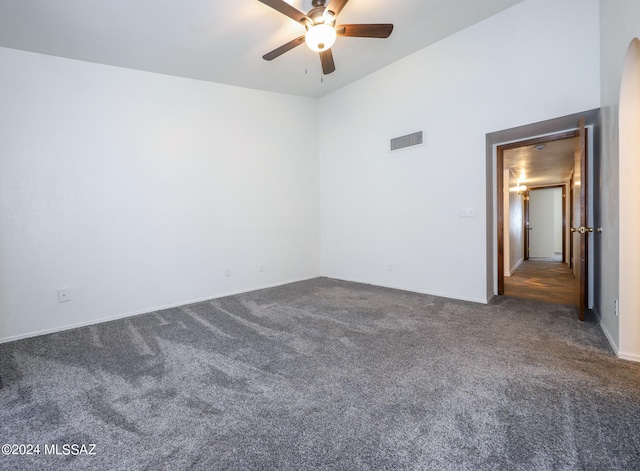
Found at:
<point>629,198</point>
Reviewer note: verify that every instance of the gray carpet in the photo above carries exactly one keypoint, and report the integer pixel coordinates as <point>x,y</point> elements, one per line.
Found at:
<point>325,375</point>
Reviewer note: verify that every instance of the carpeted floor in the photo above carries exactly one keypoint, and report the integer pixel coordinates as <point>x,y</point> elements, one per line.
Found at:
<point>325,375</point>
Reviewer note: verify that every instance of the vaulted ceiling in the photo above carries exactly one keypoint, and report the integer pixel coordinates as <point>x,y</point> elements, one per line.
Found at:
<point>224,40</point>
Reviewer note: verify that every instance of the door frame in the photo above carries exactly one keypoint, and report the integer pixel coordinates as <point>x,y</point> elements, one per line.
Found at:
<point>500,149</point>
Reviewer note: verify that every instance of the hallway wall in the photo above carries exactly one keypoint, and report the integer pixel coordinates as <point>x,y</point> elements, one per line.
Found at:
<point>515,225</point>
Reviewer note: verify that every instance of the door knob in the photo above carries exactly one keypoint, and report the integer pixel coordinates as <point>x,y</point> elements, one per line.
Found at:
<point>582,229</point>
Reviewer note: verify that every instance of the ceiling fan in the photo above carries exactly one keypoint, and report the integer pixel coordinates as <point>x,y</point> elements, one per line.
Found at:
<point>320,23</point>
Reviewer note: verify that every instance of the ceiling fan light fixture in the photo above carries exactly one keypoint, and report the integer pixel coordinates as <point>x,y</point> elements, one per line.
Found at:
<point>320,37</point>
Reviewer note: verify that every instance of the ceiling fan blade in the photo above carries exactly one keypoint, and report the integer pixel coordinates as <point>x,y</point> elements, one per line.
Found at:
<point>286,9</point>
<point>365,31</point>
<point>284,48</point>
<point>336,6</point>
<point>328,65</point>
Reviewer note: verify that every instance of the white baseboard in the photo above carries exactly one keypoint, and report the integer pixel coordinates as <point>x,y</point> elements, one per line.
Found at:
<point>411,290</point>
<point>629,356</point>
<point>146,311</point>
<point>515,267</point>
<point>606,332</point>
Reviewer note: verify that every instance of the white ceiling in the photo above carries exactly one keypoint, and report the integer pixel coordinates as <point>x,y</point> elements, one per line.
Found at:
<point>551,165</point>
<point>224,40</point>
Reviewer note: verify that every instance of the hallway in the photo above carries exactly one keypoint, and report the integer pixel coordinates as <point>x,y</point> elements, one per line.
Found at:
<point>543,281</point>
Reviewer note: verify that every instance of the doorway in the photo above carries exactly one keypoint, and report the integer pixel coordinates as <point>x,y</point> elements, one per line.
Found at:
<point>515,137</point>
<point>537,175</point>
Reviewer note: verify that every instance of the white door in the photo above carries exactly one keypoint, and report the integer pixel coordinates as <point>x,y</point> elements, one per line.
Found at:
<point>545,221</point>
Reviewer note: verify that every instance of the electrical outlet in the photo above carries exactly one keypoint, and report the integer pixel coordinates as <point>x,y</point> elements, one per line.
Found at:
<point>261,268</point>
<point>615,307</point>
<point>465,213</point>
<point>389,266</point>
<point>227,271</point>
<point>64,295</point>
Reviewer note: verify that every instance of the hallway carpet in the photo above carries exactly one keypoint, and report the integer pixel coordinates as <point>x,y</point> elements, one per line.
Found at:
<point>542,281</point>
<point>325,375</point>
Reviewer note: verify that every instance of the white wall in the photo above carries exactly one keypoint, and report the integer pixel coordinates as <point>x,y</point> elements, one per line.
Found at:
<point>514,225</point>
<point>629,207</point>
<point>620,24</point>
<point>506,236</point>
<point>516,229</point>
<point>136,191</point>
<point>567,229</point>
<point>402,209</point>
<point>557,220</point>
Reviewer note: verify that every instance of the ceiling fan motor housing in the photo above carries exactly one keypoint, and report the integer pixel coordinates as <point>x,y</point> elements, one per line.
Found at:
<point>317,16</point>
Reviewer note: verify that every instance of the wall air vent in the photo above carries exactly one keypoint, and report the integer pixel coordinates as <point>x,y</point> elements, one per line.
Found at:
<point>404,142</point>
